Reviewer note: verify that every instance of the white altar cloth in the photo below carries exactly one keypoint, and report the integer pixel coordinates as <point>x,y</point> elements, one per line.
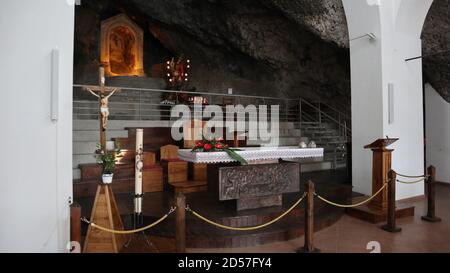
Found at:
<point>251,154</point>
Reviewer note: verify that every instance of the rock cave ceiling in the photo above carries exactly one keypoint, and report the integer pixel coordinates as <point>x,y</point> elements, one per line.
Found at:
<point>284,45</point>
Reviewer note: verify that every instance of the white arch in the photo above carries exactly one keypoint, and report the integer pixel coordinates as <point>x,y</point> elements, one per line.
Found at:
<point>357,12</point>
<point>411,16</point>
<point>375,65</point>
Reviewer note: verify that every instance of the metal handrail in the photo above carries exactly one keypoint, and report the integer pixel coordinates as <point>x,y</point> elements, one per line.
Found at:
<point>188,92</point>
<point>287,113</point>
<point>322,113</point>
<point>345,115</point>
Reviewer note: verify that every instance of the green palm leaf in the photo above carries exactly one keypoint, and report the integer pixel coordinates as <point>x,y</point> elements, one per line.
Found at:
<point>236,156</point>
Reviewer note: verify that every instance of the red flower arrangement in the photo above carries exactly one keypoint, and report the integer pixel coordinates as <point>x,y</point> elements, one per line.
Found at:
<point>217,145</point>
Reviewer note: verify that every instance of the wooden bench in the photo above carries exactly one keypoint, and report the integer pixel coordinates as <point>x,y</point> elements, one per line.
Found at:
<point>152,174</point>
<point>176,172</point>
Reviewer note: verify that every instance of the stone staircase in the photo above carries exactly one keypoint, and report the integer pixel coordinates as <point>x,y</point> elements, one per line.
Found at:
<point>129,104</point>
<point>86,136</point>
<point>327,136</point>
<point>289,135</point>
<point>139,106</point>
<point>324,134</point>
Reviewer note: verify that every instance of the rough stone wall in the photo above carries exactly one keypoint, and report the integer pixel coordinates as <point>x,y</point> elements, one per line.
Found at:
<point>88,19</point>
<point>324,18</point>
<point>284,48</point>
<point>272,48</point>
<point>436,47</point>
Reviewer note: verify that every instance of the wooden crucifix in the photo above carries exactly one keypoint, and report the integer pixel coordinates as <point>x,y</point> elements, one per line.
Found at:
<point>103,94</point>
<point>104,211</point>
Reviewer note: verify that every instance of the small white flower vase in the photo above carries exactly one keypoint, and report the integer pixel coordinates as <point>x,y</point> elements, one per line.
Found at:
<point>107,178</point>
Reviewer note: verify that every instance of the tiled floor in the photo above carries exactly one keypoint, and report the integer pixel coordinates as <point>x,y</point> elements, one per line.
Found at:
<point>353,235</point>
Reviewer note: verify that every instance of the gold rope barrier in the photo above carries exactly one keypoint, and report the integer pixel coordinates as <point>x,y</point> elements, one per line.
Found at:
<point>130,231</point>
<point>412,176</point>
<point>412,182</point>
<point>352,205</point>
<point>248,228</point>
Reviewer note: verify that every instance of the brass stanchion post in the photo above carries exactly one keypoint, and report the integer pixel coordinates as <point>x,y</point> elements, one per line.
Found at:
<point>180,223</point>
<point>309,221</point>
<point>391,225</point>
<point>431,196</point>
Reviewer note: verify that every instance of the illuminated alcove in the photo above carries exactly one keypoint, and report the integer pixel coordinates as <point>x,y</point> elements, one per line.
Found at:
<point>121,47</point>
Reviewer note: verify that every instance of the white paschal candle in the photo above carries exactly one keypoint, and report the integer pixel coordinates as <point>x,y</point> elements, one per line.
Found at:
<point>138,169</point>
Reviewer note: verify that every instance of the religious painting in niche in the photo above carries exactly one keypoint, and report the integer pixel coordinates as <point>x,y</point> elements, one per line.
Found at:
<point>122,47</point>
<point>121,51</point>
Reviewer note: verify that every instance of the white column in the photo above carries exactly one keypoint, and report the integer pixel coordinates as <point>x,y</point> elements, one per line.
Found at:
<point>36,162</point>
<point>366,88</point>
<point>438,133</point>
<point>376,64</point>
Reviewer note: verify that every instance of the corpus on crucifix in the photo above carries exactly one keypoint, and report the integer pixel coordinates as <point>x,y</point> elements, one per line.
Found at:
<point>103,94</point>
<point>104,109</point>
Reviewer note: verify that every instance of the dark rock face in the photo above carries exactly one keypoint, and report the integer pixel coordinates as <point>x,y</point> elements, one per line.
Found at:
<point>88,19</point>
<point>271,48</point>
<point>325,18</point>
<point>436,47</point>
<point>87,47</point>
<point>280,48</point>
<point>264,51</point>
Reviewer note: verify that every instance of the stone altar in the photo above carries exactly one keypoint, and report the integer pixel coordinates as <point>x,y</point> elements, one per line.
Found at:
<point>259,184</point>
<point>252,154</point>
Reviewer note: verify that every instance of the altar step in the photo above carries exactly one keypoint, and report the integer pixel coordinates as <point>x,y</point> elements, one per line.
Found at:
<point>327,136</point>
<point>94,171</point>
<point>188,186</point>
<point>93,125</point>
<point>137,82</point>
<point>154,138</point>
<point>90,174</point>
<point>86,137</point>
<point>290,228</point>
<point>124,181</point>
<point>282,141</point>
<point>87,189</point>
<point>124,105</point>
<point>203,235</point>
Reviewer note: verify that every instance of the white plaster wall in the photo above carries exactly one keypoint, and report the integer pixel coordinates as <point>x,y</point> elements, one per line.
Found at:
<point>403,43</point>
<point>366,80</point>
<point>397,25</point>
<point>36,161</point>
<point>438,133</point>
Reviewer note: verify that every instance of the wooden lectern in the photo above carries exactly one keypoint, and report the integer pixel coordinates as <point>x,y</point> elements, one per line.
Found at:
<point>376,210</point>
<point>381,165</point>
